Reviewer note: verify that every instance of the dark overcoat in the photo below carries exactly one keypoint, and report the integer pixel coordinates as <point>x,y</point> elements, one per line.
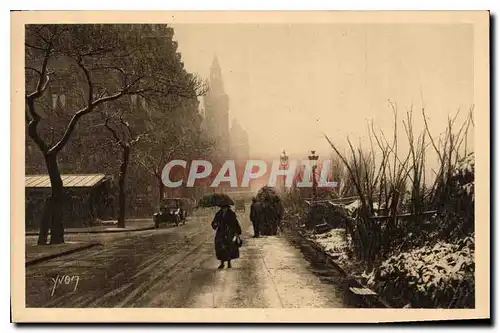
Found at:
<point>226,227</point>
<point>254,212</point>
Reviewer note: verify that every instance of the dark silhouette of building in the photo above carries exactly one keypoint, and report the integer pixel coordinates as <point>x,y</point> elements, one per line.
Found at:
<point>216,109</point>
<point>240,149</point>
<point>231,143</point>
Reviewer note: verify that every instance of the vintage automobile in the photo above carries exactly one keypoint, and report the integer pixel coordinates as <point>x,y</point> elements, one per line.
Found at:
<point>239,205</point>
<point>172,210</point>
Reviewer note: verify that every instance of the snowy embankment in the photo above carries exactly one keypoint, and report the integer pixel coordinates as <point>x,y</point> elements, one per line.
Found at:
<point>431,276</point>
<point>332,241</point>
<point>335,244</point>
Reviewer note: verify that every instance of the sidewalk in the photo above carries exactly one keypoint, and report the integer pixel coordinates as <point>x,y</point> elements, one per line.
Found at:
<point>331,246</point>
<point>38,253</point>
<point>81,239</point>
<point>130,225</point>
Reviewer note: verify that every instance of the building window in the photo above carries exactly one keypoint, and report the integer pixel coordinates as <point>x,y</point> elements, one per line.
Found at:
<point>54,101</point>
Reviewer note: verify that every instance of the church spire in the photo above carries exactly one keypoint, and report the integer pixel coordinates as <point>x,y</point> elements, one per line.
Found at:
<point>216,76</point>
<point>215,63</point>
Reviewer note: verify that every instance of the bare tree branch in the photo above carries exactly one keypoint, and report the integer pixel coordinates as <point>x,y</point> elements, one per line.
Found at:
<point>43,80</point>
<point>430,136</point>
<point>90,93</point>
<point>114,133</point>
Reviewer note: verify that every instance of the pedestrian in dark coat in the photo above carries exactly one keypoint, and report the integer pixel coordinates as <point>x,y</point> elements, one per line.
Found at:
<point>255,217</point>
<point>226,227</point>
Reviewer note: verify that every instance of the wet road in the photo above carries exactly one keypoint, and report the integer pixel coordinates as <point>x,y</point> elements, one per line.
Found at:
<point>177,268</point>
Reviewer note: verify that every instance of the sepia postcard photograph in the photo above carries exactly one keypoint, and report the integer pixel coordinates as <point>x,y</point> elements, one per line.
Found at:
<point>292,167</point>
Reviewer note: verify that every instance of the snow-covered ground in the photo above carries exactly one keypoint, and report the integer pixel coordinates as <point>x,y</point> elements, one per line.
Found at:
<point>334,243</point>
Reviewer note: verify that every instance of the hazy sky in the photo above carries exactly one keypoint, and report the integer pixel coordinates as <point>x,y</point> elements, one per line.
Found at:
<point>288,84</point>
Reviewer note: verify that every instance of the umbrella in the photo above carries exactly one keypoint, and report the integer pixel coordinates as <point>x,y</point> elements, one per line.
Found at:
<point>216,199</point>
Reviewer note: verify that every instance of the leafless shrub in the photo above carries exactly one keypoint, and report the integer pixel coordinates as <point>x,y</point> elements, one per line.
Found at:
<point>395,183</point>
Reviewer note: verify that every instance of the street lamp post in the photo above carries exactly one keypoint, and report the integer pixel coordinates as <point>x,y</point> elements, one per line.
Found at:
<point>313,158</point>
<point>284,164</point>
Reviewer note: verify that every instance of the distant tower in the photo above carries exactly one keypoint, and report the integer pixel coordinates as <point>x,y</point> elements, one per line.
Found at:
<point>239,142</point>
<point>216,103</point>
<point>216,83</point>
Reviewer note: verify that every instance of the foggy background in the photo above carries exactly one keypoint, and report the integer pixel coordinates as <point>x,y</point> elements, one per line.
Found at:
<point>288,84</point>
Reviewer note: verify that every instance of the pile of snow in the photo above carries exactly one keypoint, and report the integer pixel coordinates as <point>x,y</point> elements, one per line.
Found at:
<point>464,175</point>
<point>351,208</point>
<point>430,274</point>
<point>469,189</point>
<point>466,165</point>
<point>333,241</point>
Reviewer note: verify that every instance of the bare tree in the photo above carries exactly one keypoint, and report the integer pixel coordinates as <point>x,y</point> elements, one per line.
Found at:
<point>125,139</point>
<point>47,39</point>
<point>160,147</point>
<point>102,63</point>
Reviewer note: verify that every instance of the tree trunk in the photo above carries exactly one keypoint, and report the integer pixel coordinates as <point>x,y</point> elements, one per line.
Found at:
<point>56,203</point>
<point>121,184</point>
<point>161,189</point>
<point>45,224</point>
